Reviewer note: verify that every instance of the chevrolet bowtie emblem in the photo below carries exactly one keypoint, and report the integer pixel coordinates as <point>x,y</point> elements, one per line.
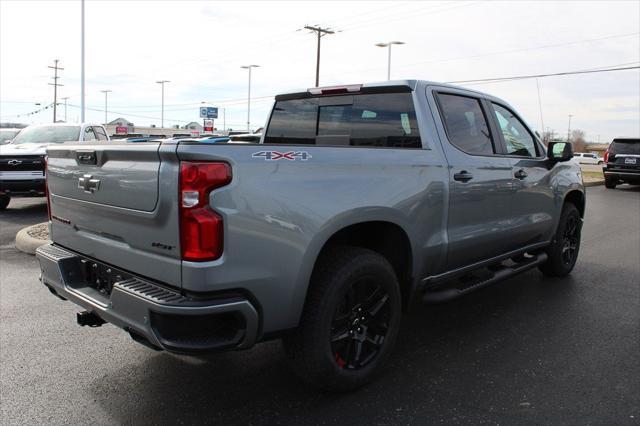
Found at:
<point>14,162</point>
<point>87,184</point>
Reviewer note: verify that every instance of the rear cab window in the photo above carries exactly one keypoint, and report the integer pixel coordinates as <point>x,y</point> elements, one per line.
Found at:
<point>366,120</point>
<point>625,147</point>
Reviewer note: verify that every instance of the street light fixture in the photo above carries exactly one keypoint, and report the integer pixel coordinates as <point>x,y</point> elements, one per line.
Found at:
<point>248,67</point>
<point>106,92</point>
<point>388,45</point>
<point>162,82</point>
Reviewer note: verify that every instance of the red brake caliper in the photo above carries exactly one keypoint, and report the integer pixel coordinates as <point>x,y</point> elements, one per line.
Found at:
<point>341,362</point>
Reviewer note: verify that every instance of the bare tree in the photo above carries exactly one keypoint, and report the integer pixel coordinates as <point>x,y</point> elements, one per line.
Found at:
<point>578,140</point>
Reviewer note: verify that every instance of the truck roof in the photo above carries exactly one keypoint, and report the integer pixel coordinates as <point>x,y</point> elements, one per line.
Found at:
<point>411,84</point>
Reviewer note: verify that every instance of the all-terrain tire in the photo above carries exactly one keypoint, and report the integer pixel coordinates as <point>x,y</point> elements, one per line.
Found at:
<point>339,275</point>
<point>563,251</point>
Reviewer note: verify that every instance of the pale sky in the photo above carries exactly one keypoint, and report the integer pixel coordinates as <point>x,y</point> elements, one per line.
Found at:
<point>199,46</point>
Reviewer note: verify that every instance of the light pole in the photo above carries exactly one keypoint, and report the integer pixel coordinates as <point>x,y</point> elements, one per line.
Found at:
<point>248,67</point>
<point>388,46</point>
<point>65,108</point>
<point>106,92</point>
<point>162,82</point>
<point>82,105</point>
<point>569,129</point>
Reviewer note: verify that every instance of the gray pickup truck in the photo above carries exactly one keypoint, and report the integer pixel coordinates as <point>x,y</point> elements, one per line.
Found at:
<point>358,201</point>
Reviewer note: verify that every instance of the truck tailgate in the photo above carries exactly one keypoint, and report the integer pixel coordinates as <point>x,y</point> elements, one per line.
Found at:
<point>108,203</point>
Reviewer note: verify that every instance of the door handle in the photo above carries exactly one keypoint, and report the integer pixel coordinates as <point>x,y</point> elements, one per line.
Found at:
<point>463,176</point>
<point>521,174</point>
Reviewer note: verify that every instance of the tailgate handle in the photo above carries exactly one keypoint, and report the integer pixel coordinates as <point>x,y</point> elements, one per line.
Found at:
<point>86,157</point>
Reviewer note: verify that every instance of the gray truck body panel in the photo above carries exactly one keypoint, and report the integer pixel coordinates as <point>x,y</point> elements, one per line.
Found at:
<point>278,215</point>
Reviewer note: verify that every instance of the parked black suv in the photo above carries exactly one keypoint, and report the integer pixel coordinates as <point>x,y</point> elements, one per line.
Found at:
<point>622,162</point>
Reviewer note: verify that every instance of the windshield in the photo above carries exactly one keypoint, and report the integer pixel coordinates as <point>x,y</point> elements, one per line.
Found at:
<point>6,135</point>
<point>48,134</point>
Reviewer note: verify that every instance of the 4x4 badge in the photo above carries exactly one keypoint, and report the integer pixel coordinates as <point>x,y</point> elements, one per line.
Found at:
<point>276,155</point>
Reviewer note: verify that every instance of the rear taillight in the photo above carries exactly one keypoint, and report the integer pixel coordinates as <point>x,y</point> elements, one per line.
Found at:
<point>606,156</point>
<point>201,230</point>
<point>46,186</point>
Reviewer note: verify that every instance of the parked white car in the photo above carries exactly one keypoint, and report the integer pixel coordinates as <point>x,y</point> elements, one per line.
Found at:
<point>22,161</point>
<point>587,158</point>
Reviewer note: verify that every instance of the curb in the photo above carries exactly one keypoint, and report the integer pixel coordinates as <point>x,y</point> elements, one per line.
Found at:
<point>595,183</point>
<point>28,244</point>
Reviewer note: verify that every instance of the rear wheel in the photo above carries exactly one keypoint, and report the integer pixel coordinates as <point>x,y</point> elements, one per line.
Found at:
<point>610,182</point>
<point>563,252</point>
<point>350,321</point>
<point>4,201</point>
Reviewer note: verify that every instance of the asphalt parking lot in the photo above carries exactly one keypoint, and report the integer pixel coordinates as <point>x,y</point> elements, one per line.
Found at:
<point>530,350</point>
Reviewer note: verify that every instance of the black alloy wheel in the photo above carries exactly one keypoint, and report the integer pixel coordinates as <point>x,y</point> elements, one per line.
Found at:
<point>360,325</point>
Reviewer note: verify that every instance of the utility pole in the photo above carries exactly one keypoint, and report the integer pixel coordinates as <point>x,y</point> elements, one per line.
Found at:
<point>105,104</point>
<point>388,45</point>
<point>162,82</point>
<point>65,108</point>
<point>569,129</point>
<point>55,85</point>
<point>320,32</point>
<point>248,67</point>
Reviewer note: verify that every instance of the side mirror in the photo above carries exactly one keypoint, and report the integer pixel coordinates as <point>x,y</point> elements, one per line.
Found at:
<point>559,151</point>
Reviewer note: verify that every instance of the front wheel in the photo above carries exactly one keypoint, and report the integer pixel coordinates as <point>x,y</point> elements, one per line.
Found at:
<point>4,201</point>
<point>350,320</point>
<point>563,251</point>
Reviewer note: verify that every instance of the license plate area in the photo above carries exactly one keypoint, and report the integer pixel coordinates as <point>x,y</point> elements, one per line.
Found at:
<point>101,277</point>
<point>630,161</point>
<point>92,279</point>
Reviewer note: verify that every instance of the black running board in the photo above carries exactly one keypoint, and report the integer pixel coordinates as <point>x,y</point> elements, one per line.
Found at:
<point>445,295</point>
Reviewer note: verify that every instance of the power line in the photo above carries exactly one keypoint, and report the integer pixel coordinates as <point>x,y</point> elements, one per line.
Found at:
<point>502,52</point>
<point>522,77</point>
<point>409,14</point>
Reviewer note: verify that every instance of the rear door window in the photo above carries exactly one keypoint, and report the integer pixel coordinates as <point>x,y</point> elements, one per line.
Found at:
<point>374,120</point>
<point>465,123</point>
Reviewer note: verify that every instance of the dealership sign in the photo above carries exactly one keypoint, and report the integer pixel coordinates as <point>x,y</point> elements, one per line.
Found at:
<point>208,112</point>
<point>208,125</point>
<point>122,130</point>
